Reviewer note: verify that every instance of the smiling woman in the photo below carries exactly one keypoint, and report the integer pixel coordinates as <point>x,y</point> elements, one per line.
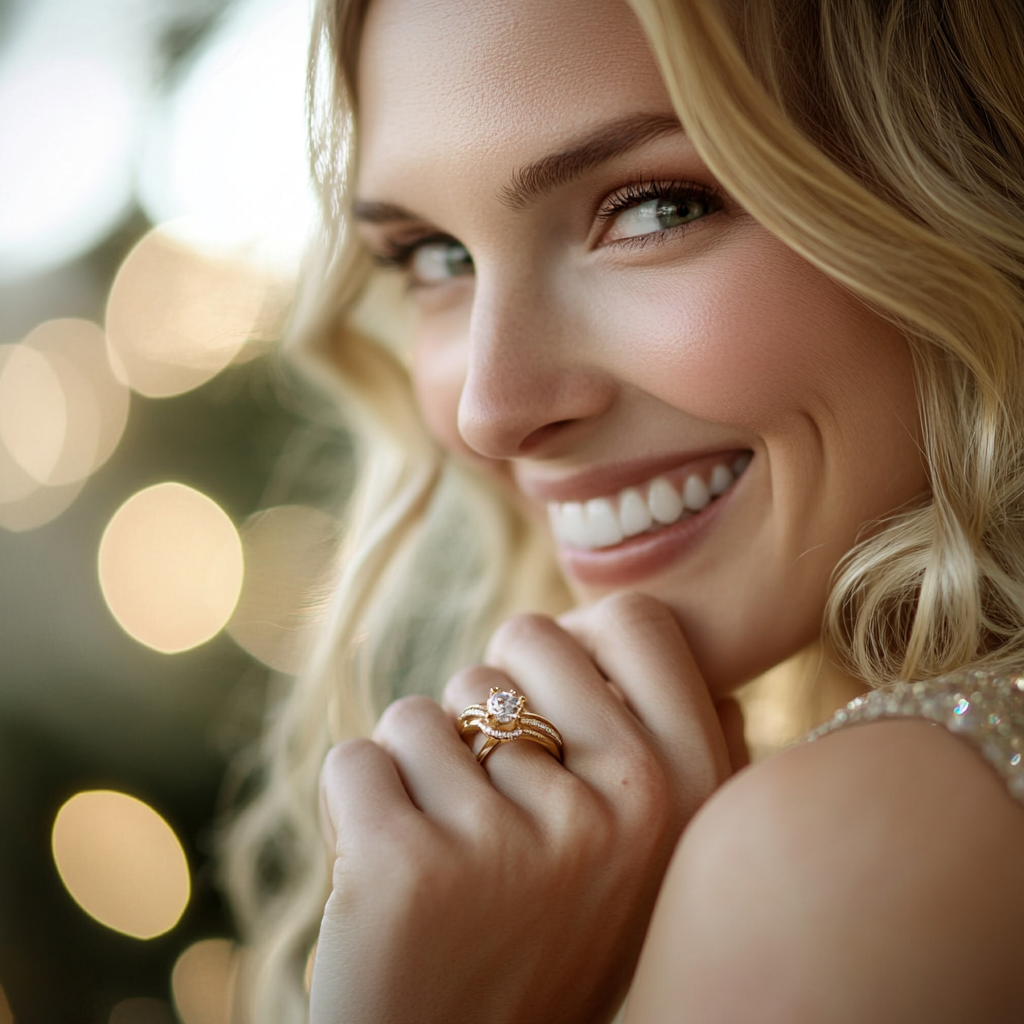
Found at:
<point>710,344</point>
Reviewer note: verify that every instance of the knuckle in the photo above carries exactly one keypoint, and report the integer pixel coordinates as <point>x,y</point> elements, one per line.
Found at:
<point>348,757</point>
<point>519,630</point>
<point>583,825</point>
<point>470,684</point>
<point>494,820</point>
<point>406,715</point>
<point>643,783</point>
<point>571,804</point>
<point>650,798</point>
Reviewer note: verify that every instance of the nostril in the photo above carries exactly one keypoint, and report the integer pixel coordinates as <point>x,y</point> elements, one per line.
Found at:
<point>542,434</point>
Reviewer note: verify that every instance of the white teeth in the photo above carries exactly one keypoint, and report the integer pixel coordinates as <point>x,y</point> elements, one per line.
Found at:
<point>696,494</point>
<point>634,515</point>
<point>603,528</point>
<point>605,522</point>
<point>664,501</point>
<point>572,525</point>
<point>721,480</point>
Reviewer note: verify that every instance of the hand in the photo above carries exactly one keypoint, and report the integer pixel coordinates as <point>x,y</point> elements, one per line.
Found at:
<point>520,890</point>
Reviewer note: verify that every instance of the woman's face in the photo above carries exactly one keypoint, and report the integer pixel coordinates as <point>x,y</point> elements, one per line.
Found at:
<point>600,325</point>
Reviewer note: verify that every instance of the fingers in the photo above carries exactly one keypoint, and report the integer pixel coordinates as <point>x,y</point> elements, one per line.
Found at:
<point>437,768</point>
<point>558,676</point>
<point>638,644</point>
<point>359,788</point>
<point>606,747</point>
<point>523,771</point>
<point>619,683</point>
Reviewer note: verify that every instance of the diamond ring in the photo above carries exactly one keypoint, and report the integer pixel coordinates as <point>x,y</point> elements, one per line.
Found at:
<point>504,718</point>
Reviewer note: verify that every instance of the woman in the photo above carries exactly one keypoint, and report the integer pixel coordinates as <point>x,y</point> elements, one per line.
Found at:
<point>724,304</point>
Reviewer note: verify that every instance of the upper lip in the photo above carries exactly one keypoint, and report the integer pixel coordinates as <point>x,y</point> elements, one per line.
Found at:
<point>602,481</point>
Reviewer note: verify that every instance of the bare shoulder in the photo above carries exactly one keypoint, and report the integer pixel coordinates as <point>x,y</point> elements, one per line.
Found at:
<point>873,875</point>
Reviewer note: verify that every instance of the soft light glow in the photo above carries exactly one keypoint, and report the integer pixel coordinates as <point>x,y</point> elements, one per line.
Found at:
<point>230,150</point>
<point>62,414</point>
<point>176,317</point>
<point>170,566</point>
<point>65,154</point>
<point>289,551</point>
<point>6,1017</point>
<point>121,863</point>
<point>36,508</point>
<point>203,982</point>
<point>97,402</point>
<point>141,1011</point>
<point>15,483</point>
<point>33,411</point>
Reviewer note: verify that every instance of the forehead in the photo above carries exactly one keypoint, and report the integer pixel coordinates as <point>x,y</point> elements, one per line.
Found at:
<point>495,82</point>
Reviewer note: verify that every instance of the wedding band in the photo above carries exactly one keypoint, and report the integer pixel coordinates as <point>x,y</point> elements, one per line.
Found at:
<point>504,718</point>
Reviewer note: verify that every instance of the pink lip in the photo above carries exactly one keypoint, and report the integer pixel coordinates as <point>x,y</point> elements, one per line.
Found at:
<point>607,480</point>
<point>647,555</point>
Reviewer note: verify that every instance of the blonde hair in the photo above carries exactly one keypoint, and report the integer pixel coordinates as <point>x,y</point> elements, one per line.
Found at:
<point>883,142</point>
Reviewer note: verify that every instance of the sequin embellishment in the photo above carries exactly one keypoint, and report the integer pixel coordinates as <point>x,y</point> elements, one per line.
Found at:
<point>985,708</point>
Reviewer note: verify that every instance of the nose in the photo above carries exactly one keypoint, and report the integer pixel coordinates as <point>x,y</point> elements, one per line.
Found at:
<point>530,382</point>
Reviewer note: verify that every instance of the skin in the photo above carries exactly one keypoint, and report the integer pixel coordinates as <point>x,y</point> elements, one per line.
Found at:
<point>568,353</point>
<point>570,358</point>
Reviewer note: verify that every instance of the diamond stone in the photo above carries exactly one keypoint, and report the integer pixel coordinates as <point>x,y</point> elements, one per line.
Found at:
<point>503,706</point>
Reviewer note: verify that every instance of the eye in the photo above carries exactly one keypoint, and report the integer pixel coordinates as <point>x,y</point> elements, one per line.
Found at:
<point>427,260</point>
<point>438,261</point>
<point>649,209</point>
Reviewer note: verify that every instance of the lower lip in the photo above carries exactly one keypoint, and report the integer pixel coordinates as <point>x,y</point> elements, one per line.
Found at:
<point>641,557</point>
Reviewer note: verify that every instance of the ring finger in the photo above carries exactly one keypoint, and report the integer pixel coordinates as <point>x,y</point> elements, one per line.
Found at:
<point>523,769</point>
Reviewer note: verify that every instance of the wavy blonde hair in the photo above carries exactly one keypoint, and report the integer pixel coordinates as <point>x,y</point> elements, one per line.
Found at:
<point>883,140</point>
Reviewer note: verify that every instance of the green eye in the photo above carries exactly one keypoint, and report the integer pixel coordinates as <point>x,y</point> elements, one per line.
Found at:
<point>658,215</point>
<point>434,262</point>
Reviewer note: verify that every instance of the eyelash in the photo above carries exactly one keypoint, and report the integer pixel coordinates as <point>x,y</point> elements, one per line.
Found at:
<point>397,255</point>
<point>640,192</point>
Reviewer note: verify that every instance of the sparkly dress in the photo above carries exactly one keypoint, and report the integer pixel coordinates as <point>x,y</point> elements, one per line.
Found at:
<point>987,709</point>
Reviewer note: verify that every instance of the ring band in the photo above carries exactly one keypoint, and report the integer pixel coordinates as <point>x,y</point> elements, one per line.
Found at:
<point>504,718</point>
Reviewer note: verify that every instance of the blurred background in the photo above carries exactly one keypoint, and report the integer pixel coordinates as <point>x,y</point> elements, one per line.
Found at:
<point>164,506</point>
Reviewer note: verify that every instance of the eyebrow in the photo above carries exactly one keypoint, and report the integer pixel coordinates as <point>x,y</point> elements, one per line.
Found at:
<point>529,183</point>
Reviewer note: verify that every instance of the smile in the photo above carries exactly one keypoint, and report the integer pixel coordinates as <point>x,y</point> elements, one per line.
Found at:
<point>648,508</point>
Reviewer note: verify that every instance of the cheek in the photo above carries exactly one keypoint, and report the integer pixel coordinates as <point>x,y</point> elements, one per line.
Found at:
<point>755,338</point>
<point>438,374</point>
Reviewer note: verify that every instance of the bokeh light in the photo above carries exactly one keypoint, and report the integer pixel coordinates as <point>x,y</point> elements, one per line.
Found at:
<point>203,982</point>
<point>289,551</point>
<point>171,567</point>
<point>31,444</point>
<point>176,316</point>
<point>37,508</point>
<point>121,863</point>
<point>141,1010</point>
<point>33,411</point>
<point>62,414</point>
<point>88,93</point>
<point>66,158</point>
<point>96,400</point>
<point>229,151</point>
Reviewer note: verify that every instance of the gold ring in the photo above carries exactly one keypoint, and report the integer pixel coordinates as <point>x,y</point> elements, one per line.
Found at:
<point>504,718</point>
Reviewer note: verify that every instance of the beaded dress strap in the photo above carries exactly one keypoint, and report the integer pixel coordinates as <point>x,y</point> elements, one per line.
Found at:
<point>984,708</point>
